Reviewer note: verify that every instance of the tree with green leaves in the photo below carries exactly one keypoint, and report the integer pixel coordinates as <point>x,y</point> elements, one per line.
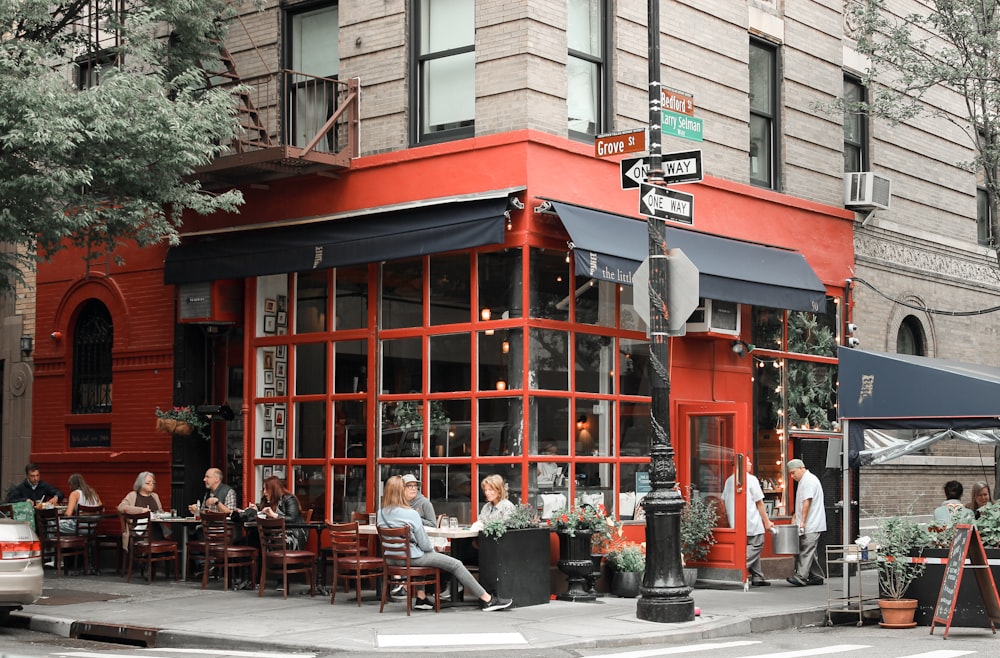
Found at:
<point>104,115</point>
<point>949,44</point>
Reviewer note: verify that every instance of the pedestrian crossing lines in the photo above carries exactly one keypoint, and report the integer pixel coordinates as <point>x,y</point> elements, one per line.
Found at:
<point>180,653</point>
<point>758,649</point>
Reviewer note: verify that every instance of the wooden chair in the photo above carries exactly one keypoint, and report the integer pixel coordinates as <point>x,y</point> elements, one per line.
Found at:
<point>349,563</point>
<point>396,549</point>
<point>221,550</point>
<point>108,536</point>
<point>57,546</point>
<point>145,549</point>
<point>88,529</point>
<point>274,553</point>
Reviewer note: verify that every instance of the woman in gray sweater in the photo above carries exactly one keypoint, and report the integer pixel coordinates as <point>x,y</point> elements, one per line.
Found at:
<point>396,513</point>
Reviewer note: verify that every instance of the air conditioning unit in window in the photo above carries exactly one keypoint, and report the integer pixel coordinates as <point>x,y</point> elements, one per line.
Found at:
<point>211,302</point>
<point>863,189</point>
<point>715,317</point>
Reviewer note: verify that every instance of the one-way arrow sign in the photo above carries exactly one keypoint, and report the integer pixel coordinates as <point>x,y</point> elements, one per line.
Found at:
<point>656,201</point>
<point>679,167</point>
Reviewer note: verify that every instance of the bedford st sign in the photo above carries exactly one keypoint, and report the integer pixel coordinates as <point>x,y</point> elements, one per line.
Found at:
<point>621,142</point>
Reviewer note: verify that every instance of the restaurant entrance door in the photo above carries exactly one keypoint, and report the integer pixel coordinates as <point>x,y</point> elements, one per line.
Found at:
<point>716,439</point>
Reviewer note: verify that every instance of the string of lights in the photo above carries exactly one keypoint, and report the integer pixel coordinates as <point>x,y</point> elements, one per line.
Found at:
<point>926,309</point>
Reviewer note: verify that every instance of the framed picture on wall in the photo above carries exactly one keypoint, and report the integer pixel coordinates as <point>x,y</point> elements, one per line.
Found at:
<point>279,416</point>
<point>279,369</point>
<point>769,507</point>
<point>279,472</point>
<point>269,392</point>
<point>267,424</point>
<point>279,433</point>
<point>269,324</point>
<point>268,411</point>
<point>268,377</point>
<point>282,319</point>
<point>282,302</point>
<point>282,352</point>
<point>267,448</point>
<point>279,448</point>
<point>270,305</point>
<point>269,360</point>
<point>267,472</point>
<point>279,386</point>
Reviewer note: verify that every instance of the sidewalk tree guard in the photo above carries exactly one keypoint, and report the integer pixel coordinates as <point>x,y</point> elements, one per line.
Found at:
<point>664,595</point>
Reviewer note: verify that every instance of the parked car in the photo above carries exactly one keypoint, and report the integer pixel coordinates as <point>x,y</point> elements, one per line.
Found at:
<point>21,573</point>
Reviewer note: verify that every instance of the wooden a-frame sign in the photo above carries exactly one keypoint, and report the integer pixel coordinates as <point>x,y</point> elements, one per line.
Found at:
<point>967,543</point>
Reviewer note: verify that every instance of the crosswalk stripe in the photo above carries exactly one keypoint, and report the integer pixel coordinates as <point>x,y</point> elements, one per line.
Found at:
<point>449,639</point>
<point>818,651</point>
<point>236,653</point>
<point>943,653</point>
<point>671,651</point>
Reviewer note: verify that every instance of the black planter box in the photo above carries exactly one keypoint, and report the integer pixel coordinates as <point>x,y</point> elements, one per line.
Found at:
<point>517,565</point>
<point>969,609</point>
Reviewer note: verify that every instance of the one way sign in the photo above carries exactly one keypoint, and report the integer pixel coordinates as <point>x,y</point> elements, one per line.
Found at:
<point>678,167</point>
<point>662,202</point>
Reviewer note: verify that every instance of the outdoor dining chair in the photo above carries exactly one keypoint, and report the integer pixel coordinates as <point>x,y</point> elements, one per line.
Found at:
<point>396,552</point>
<point>350,564</point>
<point>145,549</point>
<point>275,554</point>
<point>220,549</point>
<point>56,545</point>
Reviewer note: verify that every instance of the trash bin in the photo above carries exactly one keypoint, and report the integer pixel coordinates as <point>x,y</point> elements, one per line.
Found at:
<point>786,539</point>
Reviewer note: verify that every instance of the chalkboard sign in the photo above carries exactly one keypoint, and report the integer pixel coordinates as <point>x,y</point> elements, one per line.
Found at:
<point>967,543</point>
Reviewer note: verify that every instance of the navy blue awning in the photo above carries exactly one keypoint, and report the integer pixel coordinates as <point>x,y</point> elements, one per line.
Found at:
<point>609,247</point>
<point>372,237</point>
<point>901,391</point>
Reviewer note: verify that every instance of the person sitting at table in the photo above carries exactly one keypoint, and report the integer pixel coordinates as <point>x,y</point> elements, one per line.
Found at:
<point>34,489</point>
<point>218,497</point>
<point>279,502</point>
<point>497,506</point>
<point>418,501</point>
<point>142,498</point>
<point>396,513</point>
<point>81,493</point>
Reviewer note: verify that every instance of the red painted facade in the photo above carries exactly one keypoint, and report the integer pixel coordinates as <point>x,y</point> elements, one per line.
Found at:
<point>143,308</point>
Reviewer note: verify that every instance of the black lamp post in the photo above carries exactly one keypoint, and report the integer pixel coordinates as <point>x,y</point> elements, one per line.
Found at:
<point>665,597</point>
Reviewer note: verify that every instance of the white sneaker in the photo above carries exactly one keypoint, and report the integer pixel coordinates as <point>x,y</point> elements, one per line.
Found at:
<point>445,594</point>
<point>398,592</point>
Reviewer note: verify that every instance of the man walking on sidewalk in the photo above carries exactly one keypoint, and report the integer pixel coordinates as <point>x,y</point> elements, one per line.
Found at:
<point>810,517</point>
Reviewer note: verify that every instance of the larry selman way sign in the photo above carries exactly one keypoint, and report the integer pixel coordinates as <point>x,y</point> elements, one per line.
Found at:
<point>662,202</point>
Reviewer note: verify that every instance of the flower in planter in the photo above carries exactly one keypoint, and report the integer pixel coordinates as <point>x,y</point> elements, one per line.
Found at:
<point>184,415</point>
<point>584,518</point>
<point>627,556</point>
<point>523,516</point>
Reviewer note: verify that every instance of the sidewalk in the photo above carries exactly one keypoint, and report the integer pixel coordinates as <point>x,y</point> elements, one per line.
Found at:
<point>182,615</point>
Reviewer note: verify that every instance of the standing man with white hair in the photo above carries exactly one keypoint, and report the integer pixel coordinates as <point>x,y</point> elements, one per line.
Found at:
<point>810,517</point>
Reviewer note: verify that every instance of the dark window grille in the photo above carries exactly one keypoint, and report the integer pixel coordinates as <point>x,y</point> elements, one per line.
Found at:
<point>92,342</point>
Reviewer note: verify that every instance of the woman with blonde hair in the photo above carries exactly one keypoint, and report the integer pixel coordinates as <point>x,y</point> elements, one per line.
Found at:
<point>981,495</point>
<point>397,513</point>
<point>497,506</point>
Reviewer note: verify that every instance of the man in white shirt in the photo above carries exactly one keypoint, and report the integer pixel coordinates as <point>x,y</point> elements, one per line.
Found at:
<point>810,517</point>
<point>757,521</point>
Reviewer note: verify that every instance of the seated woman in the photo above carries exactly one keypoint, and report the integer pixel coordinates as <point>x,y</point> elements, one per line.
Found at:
<point>396,513</point>
<point>497,506</point>
<point>980,496</point>
<point>279,502</point>
<point>81,493</point>
<point>142,498</point>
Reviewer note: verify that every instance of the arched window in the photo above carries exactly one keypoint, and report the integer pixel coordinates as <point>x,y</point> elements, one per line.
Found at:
<point>93,338</point>
<point>910,337</point>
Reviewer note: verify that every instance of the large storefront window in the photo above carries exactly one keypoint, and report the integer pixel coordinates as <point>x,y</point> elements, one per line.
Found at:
<point>453,383</point>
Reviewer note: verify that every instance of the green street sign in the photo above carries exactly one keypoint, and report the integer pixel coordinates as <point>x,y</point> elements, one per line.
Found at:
<point>681,125</point>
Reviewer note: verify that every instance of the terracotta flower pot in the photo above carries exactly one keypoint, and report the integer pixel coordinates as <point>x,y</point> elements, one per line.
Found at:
<point>897,613</point>
<point>172,426</point>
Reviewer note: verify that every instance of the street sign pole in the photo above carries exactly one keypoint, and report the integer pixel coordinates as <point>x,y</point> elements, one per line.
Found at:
<point>665,597</point>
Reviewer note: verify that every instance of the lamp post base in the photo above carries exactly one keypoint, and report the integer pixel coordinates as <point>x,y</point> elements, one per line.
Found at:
<point>665,610</point>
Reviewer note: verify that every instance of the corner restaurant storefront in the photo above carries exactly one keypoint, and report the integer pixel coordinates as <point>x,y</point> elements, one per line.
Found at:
<point>455,337</point>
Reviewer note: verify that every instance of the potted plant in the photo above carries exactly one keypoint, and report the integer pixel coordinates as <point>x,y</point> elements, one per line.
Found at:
<point>898,539</point>
<point>514,557</point>
<point>576,529</point>
<point>180,420</point>
<point>628,559</point>
<point>698,519</point>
